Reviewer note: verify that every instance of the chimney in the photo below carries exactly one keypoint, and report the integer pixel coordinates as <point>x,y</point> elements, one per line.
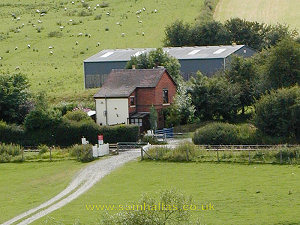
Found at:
<point>133,67</point>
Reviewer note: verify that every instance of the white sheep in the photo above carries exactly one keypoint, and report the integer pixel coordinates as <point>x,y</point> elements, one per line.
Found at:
<point>38,11</point>
<point>50,47</point>
<point>108,13</point>
<point>80,34</point>
<point>155,10</point>
<point>65,9</point>
<point>17,68</point>
<point>89,35</point>
<point>140,21</point>
<point>95,8</point>
<point>144,9</point>
<point>71,20</point>
<point>61,27</point>
<point>0,58</point>
<point>39,21</point>
<point>16,48</point>
<point>18,18</point>
<point>73,2</point>
<point>28,46</point>
<point>98,5</point>
<point>43,14</point>
<point>143,33</point>
<point>76,43</point>
<point>51,52</point>
<point>98,44</point>
<point>123,34</point>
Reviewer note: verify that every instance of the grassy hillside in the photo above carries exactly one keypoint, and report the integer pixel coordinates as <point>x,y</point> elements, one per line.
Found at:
<point>59,71</point>
<point>268,11</point>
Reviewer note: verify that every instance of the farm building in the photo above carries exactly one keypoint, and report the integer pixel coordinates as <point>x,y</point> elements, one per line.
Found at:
<point>127,96</point>
<point>207,59</point>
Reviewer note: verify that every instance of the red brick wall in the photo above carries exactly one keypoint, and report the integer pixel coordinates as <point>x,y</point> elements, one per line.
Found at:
<point>146,97</point>
<point>130,108</point>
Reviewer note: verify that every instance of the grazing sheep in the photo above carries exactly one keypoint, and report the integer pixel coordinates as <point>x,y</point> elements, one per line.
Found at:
<point>144,9</point>
<point>143,33</point>
<point>108,13</point>
<point>98,5</point>
<point>65,9</point>
<point>95,8</point>
<point>38,11</point>
<point>18,18</point>
<point>73,2</point>
<point>61,27</point>
<point>155,10</point>
<point>140,21</point>
<point>50,47</point>
<point>1,58</point>
<point>76,43</point>
<point>51,52</point>
<point>98,44</point>
<point>80,34</point>
<point>89,35</point>
<point>28,46</point>
<point>39,21</point>
<point>43,14</point>
<point>17,68</point>
<point>123,34</point>
<point>16,48</point>
<point>71,20</point>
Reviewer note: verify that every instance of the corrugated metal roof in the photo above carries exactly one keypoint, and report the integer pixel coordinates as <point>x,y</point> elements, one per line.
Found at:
<point>197,52</point>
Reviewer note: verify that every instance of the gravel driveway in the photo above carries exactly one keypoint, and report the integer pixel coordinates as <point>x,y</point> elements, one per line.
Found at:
<point>83,181</point>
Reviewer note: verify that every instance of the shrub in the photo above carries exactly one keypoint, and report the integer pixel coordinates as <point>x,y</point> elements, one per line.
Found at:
<point>150,214</point>
<point>104,4</point>
<point>216,134</point>
<point>43,149</point>
<point>278,113</point>
<point>10,133</point>
<point>83,153</point>
<point>55,34</point>
<point>77,116</point>
<point>7,152</point>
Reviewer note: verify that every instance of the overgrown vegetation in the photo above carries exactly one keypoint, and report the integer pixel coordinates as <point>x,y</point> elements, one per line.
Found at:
<point>191,153</point>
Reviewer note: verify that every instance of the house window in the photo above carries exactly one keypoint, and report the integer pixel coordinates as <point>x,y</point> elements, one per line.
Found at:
<point>165,96</point>
<point>132,103</point>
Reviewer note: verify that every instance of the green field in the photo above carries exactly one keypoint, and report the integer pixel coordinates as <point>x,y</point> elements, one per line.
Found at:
<point>268,11</point>
<point>61,74</point>
<point>241,194</point>
<point>26,185</point>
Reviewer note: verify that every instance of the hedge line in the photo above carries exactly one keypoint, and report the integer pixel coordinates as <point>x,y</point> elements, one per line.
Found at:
<point>68,133</point>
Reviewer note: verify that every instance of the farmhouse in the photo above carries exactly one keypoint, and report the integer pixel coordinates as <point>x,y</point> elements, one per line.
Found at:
<point>128,94</point>
<point>207,59</point>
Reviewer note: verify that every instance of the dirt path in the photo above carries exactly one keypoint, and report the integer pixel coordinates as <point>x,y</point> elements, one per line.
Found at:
<point>83,181</point>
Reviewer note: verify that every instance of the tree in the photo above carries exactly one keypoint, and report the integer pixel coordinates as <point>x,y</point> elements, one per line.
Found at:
<point>209,33</point>
<point>215,98</point>
<point>177,34</point>
<point>282,67</point>
<point>277,114</point>
<point>42,117</point>
<point>14,98</point>
<point>182,110</point>
<point>243,73</point>
<point>154,59</point>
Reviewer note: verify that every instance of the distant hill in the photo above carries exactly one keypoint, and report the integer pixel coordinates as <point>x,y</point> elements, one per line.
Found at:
<point>268,11</point>
<point>49,39</point>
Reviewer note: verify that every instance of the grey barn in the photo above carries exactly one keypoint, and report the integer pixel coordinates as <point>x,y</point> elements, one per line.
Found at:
<point>207,59</point>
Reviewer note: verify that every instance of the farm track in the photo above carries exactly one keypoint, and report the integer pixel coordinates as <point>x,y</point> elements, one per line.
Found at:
<point>83,181</point>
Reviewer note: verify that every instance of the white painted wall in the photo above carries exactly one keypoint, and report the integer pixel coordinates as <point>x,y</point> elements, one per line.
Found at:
<point>117,111</point>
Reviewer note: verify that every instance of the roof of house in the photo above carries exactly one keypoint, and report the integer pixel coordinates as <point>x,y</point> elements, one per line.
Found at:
<point>122,82</point>
<point>181,53</point>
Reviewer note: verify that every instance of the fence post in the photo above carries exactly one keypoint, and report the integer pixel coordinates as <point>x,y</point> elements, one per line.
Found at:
<point>280,156</point>
<point>22,154</point>
<point>50,154</point>
<point>218,155</point>
<point>142,154</point>
<point>249,160</point>
<point>187,154</point>
<point>117,148</point>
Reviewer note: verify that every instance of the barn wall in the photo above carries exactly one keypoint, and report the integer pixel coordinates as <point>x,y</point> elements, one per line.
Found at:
<point>95,73</point>
<point>206,66</point>
<point>117,111</point>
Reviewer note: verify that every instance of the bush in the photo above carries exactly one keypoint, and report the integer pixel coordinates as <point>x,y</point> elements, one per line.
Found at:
<point>77,116</point>
<point>55,34</point>
<point>104,4</point>
<point>10,133</point>
<point>84,13</point>
<point>43,149</point>
<point>216,134</point>
<point>7,152</point>
<point>150,214</point>
<point>278,113</point>
<point>83,153</point>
